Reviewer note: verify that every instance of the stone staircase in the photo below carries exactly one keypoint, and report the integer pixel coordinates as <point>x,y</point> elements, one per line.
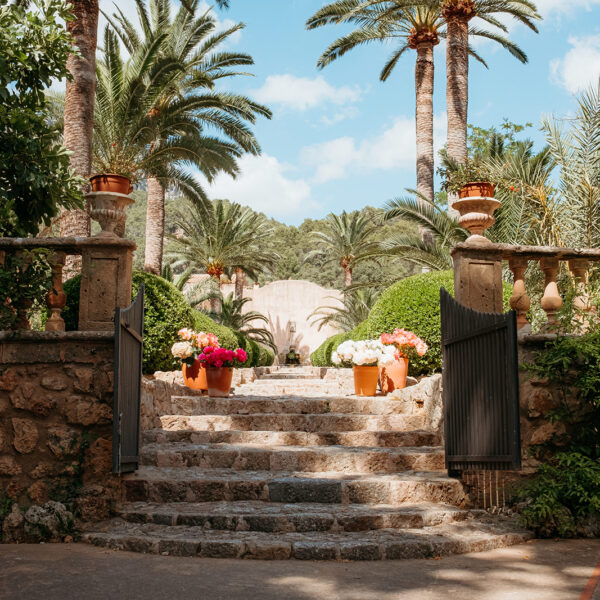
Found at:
<point>287,469</point>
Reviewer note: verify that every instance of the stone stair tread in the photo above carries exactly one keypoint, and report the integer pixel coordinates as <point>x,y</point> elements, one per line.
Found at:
<point>433,541</point>
<point>384,439</point>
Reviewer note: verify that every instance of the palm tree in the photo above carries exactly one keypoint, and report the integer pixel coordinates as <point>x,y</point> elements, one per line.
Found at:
<point>347,240</point>
<point>79,109</point>
<point>416,28</point>
<point>227,238</point>
<point>458,15</point>
<point>192,42</point>
<point>355,309</point>
<point>232,315</point>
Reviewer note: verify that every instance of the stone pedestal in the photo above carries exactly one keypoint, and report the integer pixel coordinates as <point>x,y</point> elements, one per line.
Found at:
<point>105,281</point>
<point>478,276</point>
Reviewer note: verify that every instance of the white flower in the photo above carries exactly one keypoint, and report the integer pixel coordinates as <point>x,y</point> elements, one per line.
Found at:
<point>182,350</point>
<point>364,352</point>
<point>335,358</point>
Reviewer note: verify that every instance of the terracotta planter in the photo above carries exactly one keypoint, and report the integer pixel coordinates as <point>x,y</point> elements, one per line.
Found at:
<point>109,182</point>
<point>393,376</point>
<point>219,381</point>
<point>472,189</point>
<point>365,380</point>
<point>195,376</point>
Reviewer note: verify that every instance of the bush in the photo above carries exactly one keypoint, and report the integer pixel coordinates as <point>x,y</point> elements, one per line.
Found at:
<point>414,304</point>
<point>360,332</point>
<point>321,357</point>
<point>166,313</point>
<point>267,357</point>
<point>564,494</point>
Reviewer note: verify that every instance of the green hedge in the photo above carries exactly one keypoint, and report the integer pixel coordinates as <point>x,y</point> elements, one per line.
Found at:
<point>321,357</point>
<point>267,357</point>
<point>166,313</point>
<point>414,304</point>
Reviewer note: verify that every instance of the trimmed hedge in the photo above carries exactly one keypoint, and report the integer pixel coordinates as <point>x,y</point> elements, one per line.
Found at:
<point>321,357</point>
<point>227,337</point>
<point>267,357</point>
<point>414,304</point>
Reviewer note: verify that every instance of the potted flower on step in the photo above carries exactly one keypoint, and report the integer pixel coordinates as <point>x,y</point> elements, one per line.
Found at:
<point>364,357</point>
<point>219,364</point>
<point>191,346</point>
<point>405,344</point>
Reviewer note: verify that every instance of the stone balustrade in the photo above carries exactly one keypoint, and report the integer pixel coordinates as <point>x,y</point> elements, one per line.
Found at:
<point>105,278</point>
<point>478,276</point>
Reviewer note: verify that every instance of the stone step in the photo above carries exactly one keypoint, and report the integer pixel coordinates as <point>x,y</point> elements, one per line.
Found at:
<point>192,484</point>
<point>429,542</point>
<point>388,439</point>
<point>293,458</point>
<point>236,405</point>
<point>293,422</point>
<point>287,518</point>
<point>278,375</point>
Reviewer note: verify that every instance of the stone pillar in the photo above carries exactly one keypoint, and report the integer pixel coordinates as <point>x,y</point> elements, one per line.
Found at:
<point>105,281</point>
<point>478,276</point>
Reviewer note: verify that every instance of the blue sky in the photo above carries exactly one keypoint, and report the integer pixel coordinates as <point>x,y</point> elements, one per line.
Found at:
<point>340,139</point>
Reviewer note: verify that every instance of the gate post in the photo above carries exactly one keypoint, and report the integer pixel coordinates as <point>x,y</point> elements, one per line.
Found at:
<point>478,276</point>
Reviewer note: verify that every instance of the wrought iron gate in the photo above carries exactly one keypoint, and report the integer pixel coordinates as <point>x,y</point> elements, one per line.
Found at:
<point>129,328</point>
<point>481,388</point>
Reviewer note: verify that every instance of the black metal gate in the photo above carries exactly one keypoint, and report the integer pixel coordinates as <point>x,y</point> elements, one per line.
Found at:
<point>129,328</point>
<point>481,388</point>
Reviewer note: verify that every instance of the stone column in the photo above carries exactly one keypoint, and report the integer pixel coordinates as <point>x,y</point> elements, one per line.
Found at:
<point>478,276</point>
<point>105,281</point>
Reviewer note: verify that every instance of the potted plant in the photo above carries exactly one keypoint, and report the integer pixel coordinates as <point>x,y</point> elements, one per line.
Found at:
<point>191,346</point>
<point>116,171</point>
<point>393,373</point>
<point>364,357</point>
<point>470,179</point>
<point>219,364</point>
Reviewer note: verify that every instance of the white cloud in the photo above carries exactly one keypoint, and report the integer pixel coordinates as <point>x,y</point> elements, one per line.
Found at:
<point>394,148</point>
<point>546,7</point>
<point>580,66</point>
<point>264,185</point>
<point>301,93</point>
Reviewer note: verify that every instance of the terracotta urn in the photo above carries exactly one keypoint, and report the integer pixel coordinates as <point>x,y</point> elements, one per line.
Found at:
<point>110,182</point>
<point>218,381</point>
<point>365,380</point>
<point>476,215</point>
<point>108,209</point>
<point>393,376</point>
<point>194,377</point>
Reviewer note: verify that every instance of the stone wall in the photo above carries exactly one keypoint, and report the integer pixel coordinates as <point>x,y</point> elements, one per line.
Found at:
<point>56,395</point>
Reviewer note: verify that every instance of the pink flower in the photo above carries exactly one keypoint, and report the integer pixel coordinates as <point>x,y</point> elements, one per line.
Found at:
<point>241,355</point>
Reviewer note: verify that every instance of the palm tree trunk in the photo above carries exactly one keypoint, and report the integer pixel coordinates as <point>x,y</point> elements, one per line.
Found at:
<point>155,226</point>
<point>215,303</point>
<point>239,283</point>
<point>424,73</point>
<point>457,91</point>
<point>79,112</point>
<point>347,277</point>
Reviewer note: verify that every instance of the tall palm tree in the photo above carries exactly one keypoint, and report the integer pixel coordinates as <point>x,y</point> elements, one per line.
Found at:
<point>458,15</point>
<point>227,238</point>
<point>416,28</point>
<point>347,240</point>
<point>79,109</point>
<point>192,41</point>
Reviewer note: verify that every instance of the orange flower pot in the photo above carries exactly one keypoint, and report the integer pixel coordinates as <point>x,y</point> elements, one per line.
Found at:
<point>365,380</point>
<point>477,189</point>
<point>195,376</point>
<point>219,381</point>
<point>109,182</point>
<point>393,376</point>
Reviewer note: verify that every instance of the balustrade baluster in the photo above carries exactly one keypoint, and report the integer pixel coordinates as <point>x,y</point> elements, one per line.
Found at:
<point>579,267</point>
<point>519,301</point>
<point>551,300</point>
<point>56,298</point>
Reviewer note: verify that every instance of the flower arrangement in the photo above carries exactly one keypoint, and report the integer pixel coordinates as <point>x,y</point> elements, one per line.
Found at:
<point>366,353</point>
<point>192,344</point>
<point>221,357</point>
<point>405,343</point>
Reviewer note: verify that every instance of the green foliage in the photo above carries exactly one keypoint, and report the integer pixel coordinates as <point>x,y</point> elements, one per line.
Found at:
<point>227,337</point>
<point>25,279</point>
<point>267,357</point>
<point>565,490</point>
<point>35,179</point>
<point>360,332</point>
<point>321,357</point>
<point>414,304</point>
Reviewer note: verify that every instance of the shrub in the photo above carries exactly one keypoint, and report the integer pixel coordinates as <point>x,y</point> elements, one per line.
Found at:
<point>360,332</point>
<point>321,357</point>
<point>414,304</point>
<point>564,494</point>
<point>267,357</point>
<point>166,313</point>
